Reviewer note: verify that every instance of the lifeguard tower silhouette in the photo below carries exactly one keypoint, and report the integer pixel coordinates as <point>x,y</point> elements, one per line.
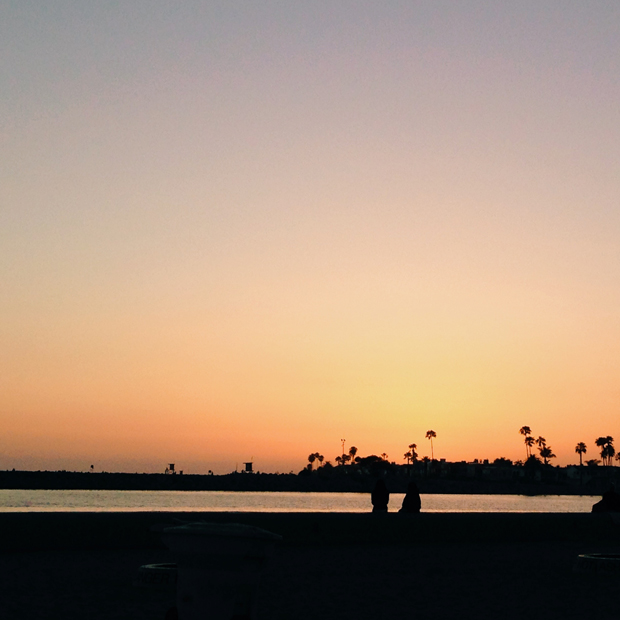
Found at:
<point>248,468</point>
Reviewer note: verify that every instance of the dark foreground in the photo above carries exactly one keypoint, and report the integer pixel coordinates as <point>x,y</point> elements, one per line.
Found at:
<point>329,566</point>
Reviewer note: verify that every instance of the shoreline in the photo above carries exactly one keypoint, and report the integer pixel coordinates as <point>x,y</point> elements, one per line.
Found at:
<point>553,482</point>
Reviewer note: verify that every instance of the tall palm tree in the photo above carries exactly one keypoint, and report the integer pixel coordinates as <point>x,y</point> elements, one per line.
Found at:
<point>526,431</point>
<point>311,459</point>
<point>430,435</point>
<point>352,453</point>
<point>581,449</point>
<point>541,442</point>
<point>412,447</point>
<point>407,457</point>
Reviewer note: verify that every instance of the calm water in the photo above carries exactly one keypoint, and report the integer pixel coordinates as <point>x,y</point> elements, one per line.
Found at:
<point>230,501</point>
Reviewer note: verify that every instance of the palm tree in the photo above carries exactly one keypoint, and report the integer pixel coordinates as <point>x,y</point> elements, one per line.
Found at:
<point>580,449</point>
<point>412,447</point>
<point>546,454</point>
<point>384,456</point>
<point>311,459</point>
<point>606,444</point>
<point>407,457</point>
<point>541,442</point>
<point>320,458</point>
<point>526,431</point>
<point>529,442</point>
<point>352,453</point>
<point>430,435</point>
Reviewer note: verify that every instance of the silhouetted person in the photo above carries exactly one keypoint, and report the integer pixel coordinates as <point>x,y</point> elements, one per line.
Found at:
<point>411,501</point>
<point>380,497</point>
<point>609,503</point>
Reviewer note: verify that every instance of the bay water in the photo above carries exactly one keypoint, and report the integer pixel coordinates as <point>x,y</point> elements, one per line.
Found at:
<point>232,501</point>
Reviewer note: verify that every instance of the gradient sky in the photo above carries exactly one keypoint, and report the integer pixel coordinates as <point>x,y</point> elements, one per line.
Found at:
<point>234,230</point>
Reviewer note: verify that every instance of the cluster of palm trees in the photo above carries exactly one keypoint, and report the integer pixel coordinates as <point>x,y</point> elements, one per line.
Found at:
<point>343,459</point>
<point>315,456</point>
<point>346,458</point>
<point>411,455</point>
<point>606,444</point>
<point>546,453</point>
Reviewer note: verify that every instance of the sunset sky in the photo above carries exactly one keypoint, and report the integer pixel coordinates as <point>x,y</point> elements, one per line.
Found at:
<point>248,230</point>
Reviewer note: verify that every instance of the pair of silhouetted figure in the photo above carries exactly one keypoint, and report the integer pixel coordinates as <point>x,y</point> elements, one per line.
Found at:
<point>380,498</point>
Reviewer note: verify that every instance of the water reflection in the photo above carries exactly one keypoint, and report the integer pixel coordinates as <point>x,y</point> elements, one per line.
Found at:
<point>231,501</point>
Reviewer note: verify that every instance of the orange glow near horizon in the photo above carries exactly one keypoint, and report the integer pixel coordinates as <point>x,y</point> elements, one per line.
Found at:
<point>236,233</point>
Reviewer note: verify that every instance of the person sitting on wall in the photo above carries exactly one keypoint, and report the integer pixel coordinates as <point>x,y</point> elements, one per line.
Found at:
<point>609,503</point>
<point>380,497</point>
<point>411,501</point>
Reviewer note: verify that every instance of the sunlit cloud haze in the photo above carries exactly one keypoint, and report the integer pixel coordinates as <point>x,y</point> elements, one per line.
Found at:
<point>235,230</point>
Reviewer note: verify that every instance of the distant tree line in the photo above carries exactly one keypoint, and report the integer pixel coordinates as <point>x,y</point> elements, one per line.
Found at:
<point>606,445</point>
<point>532,444</point>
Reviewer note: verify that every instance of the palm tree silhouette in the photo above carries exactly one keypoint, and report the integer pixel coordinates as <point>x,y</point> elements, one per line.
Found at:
<point>529,442</point>
<point>526,431</point>
<point>607,449</point>
<point>311,459</point>
<point>580,449</point>
<point>352,453</point>
<point>430,435</point>
<point>412,447</point>
<point>546,454</point>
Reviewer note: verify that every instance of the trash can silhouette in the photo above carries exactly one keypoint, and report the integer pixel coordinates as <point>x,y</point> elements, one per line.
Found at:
<point>219,568</point>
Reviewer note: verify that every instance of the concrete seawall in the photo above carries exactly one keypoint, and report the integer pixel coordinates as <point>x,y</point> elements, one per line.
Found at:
<point>137,530</point>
